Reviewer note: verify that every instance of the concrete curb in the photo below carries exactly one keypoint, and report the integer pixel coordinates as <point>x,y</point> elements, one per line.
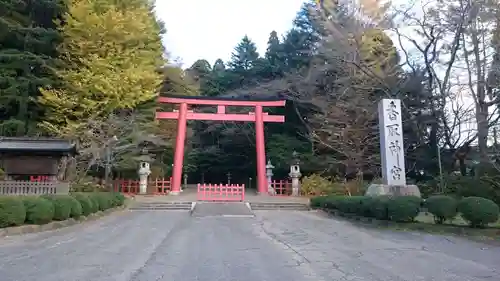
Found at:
<point>31,228</point>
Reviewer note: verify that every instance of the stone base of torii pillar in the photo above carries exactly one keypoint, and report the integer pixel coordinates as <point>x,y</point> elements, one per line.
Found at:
<point>393,190</point>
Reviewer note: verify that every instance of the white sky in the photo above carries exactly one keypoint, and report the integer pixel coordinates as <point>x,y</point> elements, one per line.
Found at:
<point>202,29</point>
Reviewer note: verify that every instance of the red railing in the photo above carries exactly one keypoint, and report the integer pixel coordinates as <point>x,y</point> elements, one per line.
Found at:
<point>39,178</point>
<point>126,186</point>
<point>161,186</point>
<point>221,192</point>
<point>281,188</point>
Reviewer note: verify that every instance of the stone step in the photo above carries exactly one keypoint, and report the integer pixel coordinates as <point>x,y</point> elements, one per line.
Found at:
<point>161,206</point>
<point>279,206</point>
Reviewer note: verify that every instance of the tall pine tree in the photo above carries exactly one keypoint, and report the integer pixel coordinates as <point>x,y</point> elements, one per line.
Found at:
<point>244,56</point>
<point>275,55</point>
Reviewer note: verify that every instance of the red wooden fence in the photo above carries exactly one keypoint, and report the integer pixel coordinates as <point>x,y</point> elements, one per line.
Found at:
<point>221,192</point>
<point>281,187</point>
<point>161,186</point>
<point>39,178</point>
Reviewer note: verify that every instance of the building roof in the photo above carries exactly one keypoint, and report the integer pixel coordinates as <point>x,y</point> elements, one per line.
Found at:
<point>24,144</point>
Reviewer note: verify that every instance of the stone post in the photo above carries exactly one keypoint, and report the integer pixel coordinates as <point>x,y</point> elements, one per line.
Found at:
<point>392,152</point>
<point>144,172</point>
<point>295,175</point>
<point>269,174</point>
<point>185,182</point>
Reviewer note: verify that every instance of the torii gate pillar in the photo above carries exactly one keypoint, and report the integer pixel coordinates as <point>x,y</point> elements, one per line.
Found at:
<point>180,141</point>
<point>260,150</point>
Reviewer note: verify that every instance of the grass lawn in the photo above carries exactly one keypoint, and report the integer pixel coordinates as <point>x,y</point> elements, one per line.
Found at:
<point>458,226</point>
<point>425,217</point>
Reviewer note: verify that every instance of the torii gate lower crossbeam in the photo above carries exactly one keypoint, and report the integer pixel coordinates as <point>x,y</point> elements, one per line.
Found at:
<point>183,114</point>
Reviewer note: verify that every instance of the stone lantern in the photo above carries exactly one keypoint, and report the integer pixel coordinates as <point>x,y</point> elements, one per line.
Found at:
<point>144,171</point>
<point>185,182</point>
<point>269,174</point>
<point>295,174</point>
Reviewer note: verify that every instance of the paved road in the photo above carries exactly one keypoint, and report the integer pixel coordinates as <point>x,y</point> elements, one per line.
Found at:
<point>273,246</point>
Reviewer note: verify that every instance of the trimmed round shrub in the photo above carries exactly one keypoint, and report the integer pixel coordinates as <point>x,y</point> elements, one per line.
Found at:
<point>118,199</point>
<point>478,211</point>
<point>95,203</point>
<point>85,203</point>
<point>403,208</point>
<point>62,206</point>
<point>104,200</point>
<point>76,207</point>
<point>38,210</point>
<point>442,207</point>
<point>12,211</point>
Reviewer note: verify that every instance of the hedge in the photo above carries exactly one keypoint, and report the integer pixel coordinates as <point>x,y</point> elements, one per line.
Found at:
<point>401,209</point>
<point>19,210</point>
<point>478,211</point>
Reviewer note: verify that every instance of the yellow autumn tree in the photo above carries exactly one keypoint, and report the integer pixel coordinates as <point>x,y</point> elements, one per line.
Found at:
<point>378,53</point>
<point>112,54</point>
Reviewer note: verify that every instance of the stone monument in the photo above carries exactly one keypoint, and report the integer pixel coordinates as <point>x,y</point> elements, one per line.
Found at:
<point>295,174</point>
<point>269,174</point>
<point>392,152</point>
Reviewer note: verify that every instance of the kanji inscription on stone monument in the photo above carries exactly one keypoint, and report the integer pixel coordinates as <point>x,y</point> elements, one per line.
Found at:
<point>391,142</point>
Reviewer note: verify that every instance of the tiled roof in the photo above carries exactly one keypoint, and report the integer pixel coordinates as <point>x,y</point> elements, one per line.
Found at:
<point>8,144</point>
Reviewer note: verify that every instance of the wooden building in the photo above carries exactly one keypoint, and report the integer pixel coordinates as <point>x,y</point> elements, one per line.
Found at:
<point>30,165</point>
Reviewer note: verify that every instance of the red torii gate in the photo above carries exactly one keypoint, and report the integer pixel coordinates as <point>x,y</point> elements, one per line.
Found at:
<point>183,114</point>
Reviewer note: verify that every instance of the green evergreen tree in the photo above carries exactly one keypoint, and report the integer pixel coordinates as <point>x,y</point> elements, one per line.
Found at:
<point>28,40</point>
<point>244,56</point>
<point>219,65</point>
<point>275,55</point>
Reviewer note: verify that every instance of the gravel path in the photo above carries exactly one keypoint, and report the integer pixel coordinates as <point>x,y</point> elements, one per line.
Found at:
<point>274,246</point>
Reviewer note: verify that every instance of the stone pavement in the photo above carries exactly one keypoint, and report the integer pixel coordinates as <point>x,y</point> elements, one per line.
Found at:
<point>233,209</point>
<point>273,246</point>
